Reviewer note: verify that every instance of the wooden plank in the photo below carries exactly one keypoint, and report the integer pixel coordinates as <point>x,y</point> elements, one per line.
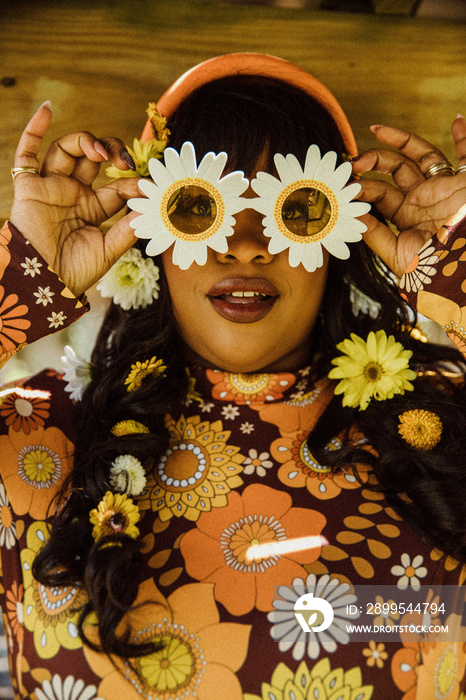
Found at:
<point>101,64</point>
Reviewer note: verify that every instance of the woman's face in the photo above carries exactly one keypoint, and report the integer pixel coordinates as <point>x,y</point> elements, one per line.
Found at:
<point>246,310</point>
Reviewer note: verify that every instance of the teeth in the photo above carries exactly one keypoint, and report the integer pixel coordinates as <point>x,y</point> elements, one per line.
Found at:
<point>248,294</point>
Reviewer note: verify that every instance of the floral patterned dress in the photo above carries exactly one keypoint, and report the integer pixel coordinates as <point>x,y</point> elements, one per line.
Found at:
<point>237,473</point>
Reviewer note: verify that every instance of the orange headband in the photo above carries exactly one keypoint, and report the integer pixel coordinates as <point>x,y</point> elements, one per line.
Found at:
<point>253,64</point>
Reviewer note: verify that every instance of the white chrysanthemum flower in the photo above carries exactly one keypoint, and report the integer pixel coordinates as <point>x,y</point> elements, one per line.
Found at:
<point>171,214</point>
<point>77,373</point>
<point>127,475</point>
<point>309,208</point>
<point>132,281</point>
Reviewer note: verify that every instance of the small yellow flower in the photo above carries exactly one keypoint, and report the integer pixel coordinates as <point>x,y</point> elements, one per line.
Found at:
<point>116,513</point>
<point>421,429</point>
<point>159,123</point>
<point>128,427</point>
<point>140,370</point>
<point>374,368</point>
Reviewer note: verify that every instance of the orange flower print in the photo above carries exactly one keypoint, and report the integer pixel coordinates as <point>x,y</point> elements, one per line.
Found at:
<point>200,654</point>
<point>301,470</point>
<point>25,409</point>
<point>196,473</point>
<point>443,668</point>
<point>34,467</point>
<point>249,388</point>
<point>404,668</point>
<point>15,610</point>
<point>12,327</point>
<point>8,533</point>
<point>301,411</point>
<point>216,551</point>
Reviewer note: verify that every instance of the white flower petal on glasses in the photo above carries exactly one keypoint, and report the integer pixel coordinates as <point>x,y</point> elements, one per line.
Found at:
<point>320,173</point>
<point>180,170</point>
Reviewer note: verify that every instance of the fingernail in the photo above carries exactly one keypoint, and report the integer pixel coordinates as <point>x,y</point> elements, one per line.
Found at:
<point>100,150</point>
<point>353,159</point>
<point>459,116</point>
<point>374,127</point>
<point>128,160</point>
<point>47,104</point>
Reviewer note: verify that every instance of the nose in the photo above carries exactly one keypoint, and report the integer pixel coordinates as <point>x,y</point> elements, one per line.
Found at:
<point>248,243</point>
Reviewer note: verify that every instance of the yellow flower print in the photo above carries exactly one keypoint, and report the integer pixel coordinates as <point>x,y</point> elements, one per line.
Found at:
<point>200,654</point>
<point>51,614</point>
<point>197,471</point>
<point>34,467</point>
<point>321,681</point>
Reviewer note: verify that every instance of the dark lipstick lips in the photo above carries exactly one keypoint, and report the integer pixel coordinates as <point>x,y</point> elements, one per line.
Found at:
<point>232,298</point>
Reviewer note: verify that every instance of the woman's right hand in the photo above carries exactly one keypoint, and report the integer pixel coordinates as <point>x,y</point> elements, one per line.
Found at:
<point>58,211</point>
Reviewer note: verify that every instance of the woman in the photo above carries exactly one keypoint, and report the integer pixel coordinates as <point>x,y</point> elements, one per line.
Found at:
<point>196,506</point>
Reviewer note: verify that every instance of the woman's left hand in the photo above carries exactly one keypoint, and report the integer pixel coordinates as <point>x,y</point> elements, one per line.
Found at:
<point>417,206</point>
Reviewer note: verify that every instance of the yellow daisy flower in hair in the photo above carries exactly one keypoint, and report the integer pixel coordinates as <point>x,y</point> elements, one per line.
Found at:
<point>374,368</point>
<point>116,513</point>
<point>159,123</point>
<point>140,370</point>
<point>128,427</point>
<point>420,428</point>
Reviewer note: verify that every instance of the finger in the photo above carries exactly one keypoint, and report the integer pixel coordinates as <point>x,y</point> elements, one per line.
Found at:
<point>80,155</point>
<point>406,173</point>
<point>386,198</point>
<point>119,238</point>
<point>115,151</point>
<point>63,153</point>
<point>114,195</point>
<point>32,137</point>
<point>458,131</point>
<point>395,251</point>
<point>414,147</point>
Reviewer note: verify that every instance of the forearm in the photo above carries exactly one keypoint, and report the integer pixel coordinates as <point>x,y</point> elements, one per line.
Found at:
<point>33,300</point>
<point>434,282</point>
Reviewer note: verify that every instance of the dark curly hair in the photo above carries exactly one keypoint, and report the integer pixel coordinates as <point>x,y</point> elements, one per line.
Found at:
<point>248,117</point>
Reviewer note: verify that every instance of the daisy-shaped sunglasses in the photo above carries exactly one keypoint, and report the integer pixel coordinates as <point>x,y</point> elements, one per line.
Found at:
<point>193,206</point>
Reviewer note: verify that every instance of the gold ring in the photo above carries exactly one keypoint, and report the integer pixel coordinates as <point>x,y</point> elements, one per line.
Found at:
<point>460,169</point>
<point>441,168</point>
<point>17,171</point>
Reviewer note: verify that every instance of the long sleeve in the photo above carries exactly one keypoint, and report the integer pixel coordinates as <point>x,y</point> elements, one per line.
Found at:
<point>434,282</point>
<point>34,302</point>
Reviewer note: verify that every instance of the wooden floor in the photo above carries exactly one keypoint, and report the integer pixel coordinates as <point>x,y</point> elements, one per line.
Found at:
<point>100,62</point>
